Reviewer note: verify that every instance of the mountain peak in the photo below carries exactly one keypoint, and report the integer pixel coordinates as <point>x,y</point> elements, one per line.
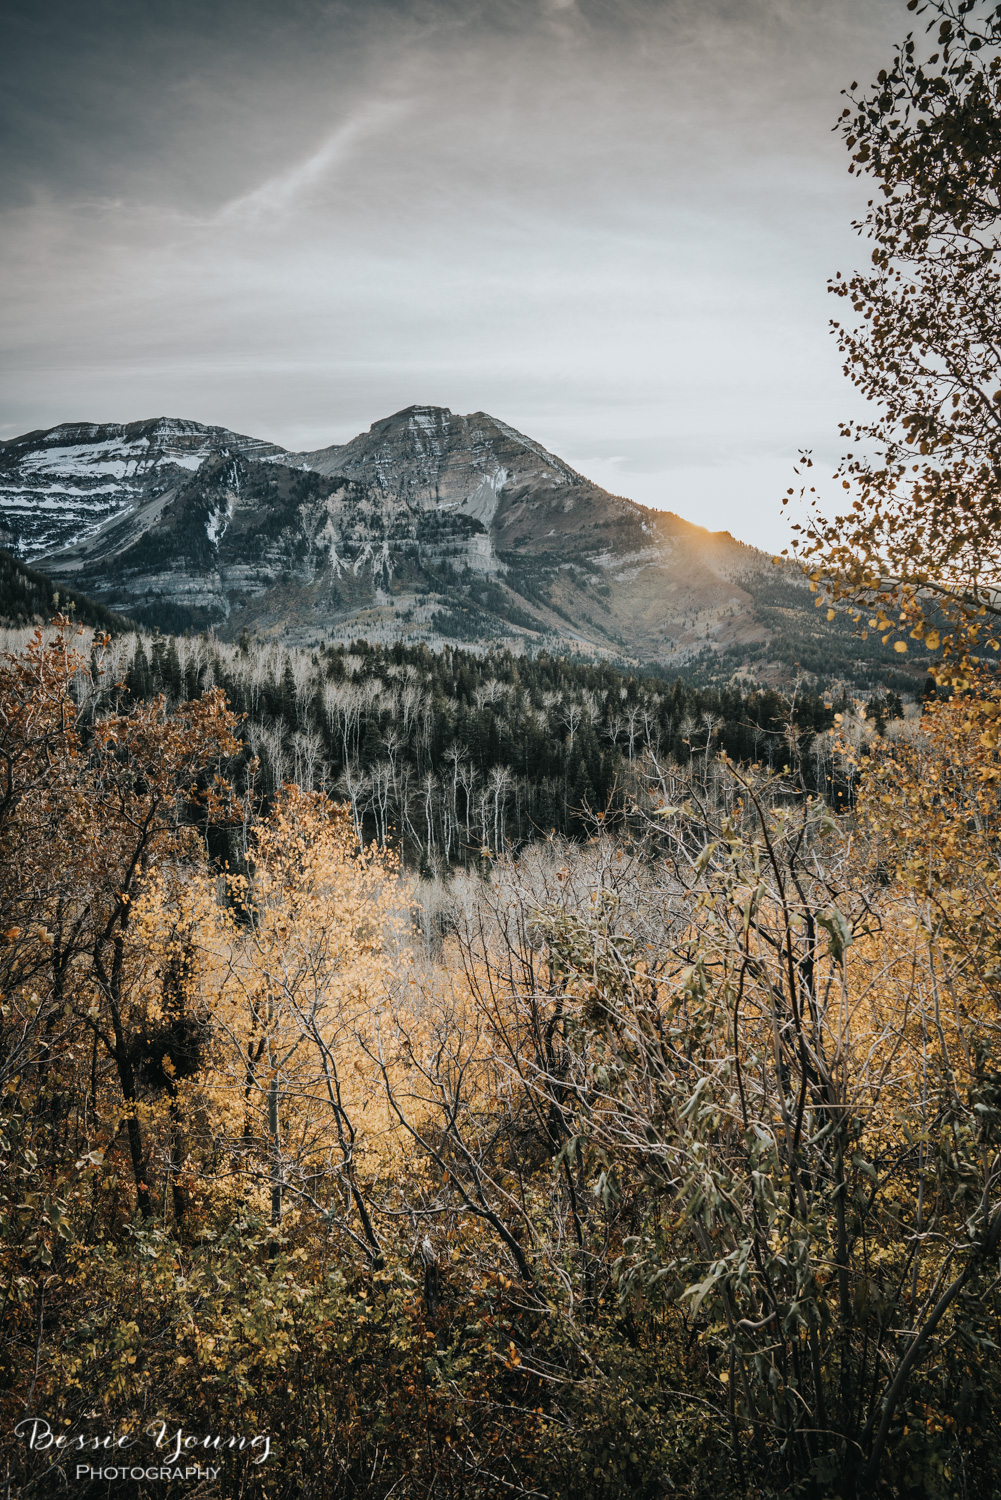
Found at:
<point>432,456</point>
<point>435,414</point>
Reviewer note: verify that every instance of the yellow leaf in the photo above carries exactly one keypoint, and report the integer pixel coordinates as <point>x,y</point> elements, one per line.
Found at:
<point>900,645</point>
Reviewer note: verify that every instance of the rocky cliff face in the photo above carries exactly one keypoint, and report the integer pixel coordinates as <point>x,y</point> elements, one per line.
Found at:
<point>430,525</point>
<point>268,546</point>
<point>430,457</point>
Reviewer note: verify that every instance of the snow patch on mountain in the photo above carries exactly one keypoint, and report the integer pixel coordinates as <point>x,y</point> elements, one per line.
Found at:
<point>215,526</point>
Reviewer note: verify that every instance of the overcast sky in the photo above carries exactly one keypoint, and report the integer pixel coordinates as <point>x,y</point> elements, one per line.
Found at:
<point>608,222</point>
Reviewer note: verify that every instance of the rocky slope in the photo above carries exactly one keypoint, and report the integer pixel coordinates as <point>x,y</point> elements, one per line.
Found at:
<point>429,526</point>
<point>267,546</point>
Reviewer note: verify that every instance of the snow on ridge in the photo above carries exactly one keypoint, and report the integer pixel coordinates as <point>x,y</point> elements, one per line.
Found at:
<point>563,470</point>
<point>30,505</point>
<point>60,486</point>
<point>148,444</point>
<point>118,461</point>
<point>59,489</point>
<point>82,459</point>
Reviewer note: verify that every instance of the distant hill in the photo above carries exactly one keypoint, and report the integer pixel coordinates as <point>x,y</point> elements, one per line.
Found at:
<point>28,597</point>
<point>431,527</point>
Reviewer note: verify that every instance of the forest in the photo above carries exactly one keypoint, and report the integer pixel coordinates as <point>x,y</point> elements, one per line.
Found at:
<point>585,1189</point>
<point>451,754</point>
<point>470,1076</point>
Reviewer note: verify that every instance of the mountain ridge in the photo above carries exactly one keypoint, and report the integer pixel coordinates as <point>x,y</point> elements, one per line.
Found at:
<point>432,526</point>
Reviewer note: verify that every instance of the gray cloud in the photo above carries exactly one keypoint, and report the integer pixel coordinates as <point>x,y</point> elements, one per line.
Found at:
<point>609,222</point>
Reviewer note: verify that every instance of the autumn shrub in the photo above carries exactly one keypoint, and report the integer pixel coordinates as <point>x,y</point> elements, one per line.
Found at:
<point>670,1166</point>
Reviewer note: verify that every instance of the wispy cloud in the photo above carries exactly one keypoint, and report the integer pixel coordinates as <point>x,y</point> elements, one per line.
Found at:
<point>610,222</point>
<point>285,191</point>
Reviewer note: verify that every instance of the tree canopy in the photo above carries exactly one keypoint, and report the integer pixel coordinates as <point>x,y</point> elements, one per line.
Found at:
<point>918,550</point>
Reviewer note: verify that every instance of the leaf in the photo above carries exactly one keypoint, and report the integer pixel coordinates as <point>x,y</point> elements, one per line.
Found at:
<point>838,930</point>
<point>701,1289</point>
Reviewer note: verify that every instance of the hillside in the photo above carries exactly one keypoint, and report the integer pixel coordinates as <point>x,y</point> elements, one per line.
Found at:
<point>28,597</point>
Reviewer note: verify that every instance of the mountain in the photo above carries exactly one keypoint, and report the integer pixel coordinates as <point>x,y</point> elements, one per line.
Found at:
<point>61,485</point>
<point>429,526</point>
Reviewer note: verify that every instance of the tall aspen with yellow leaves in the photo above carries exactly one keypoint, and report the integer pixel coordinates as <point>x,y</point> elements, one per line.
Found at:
<point>310,977</point>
